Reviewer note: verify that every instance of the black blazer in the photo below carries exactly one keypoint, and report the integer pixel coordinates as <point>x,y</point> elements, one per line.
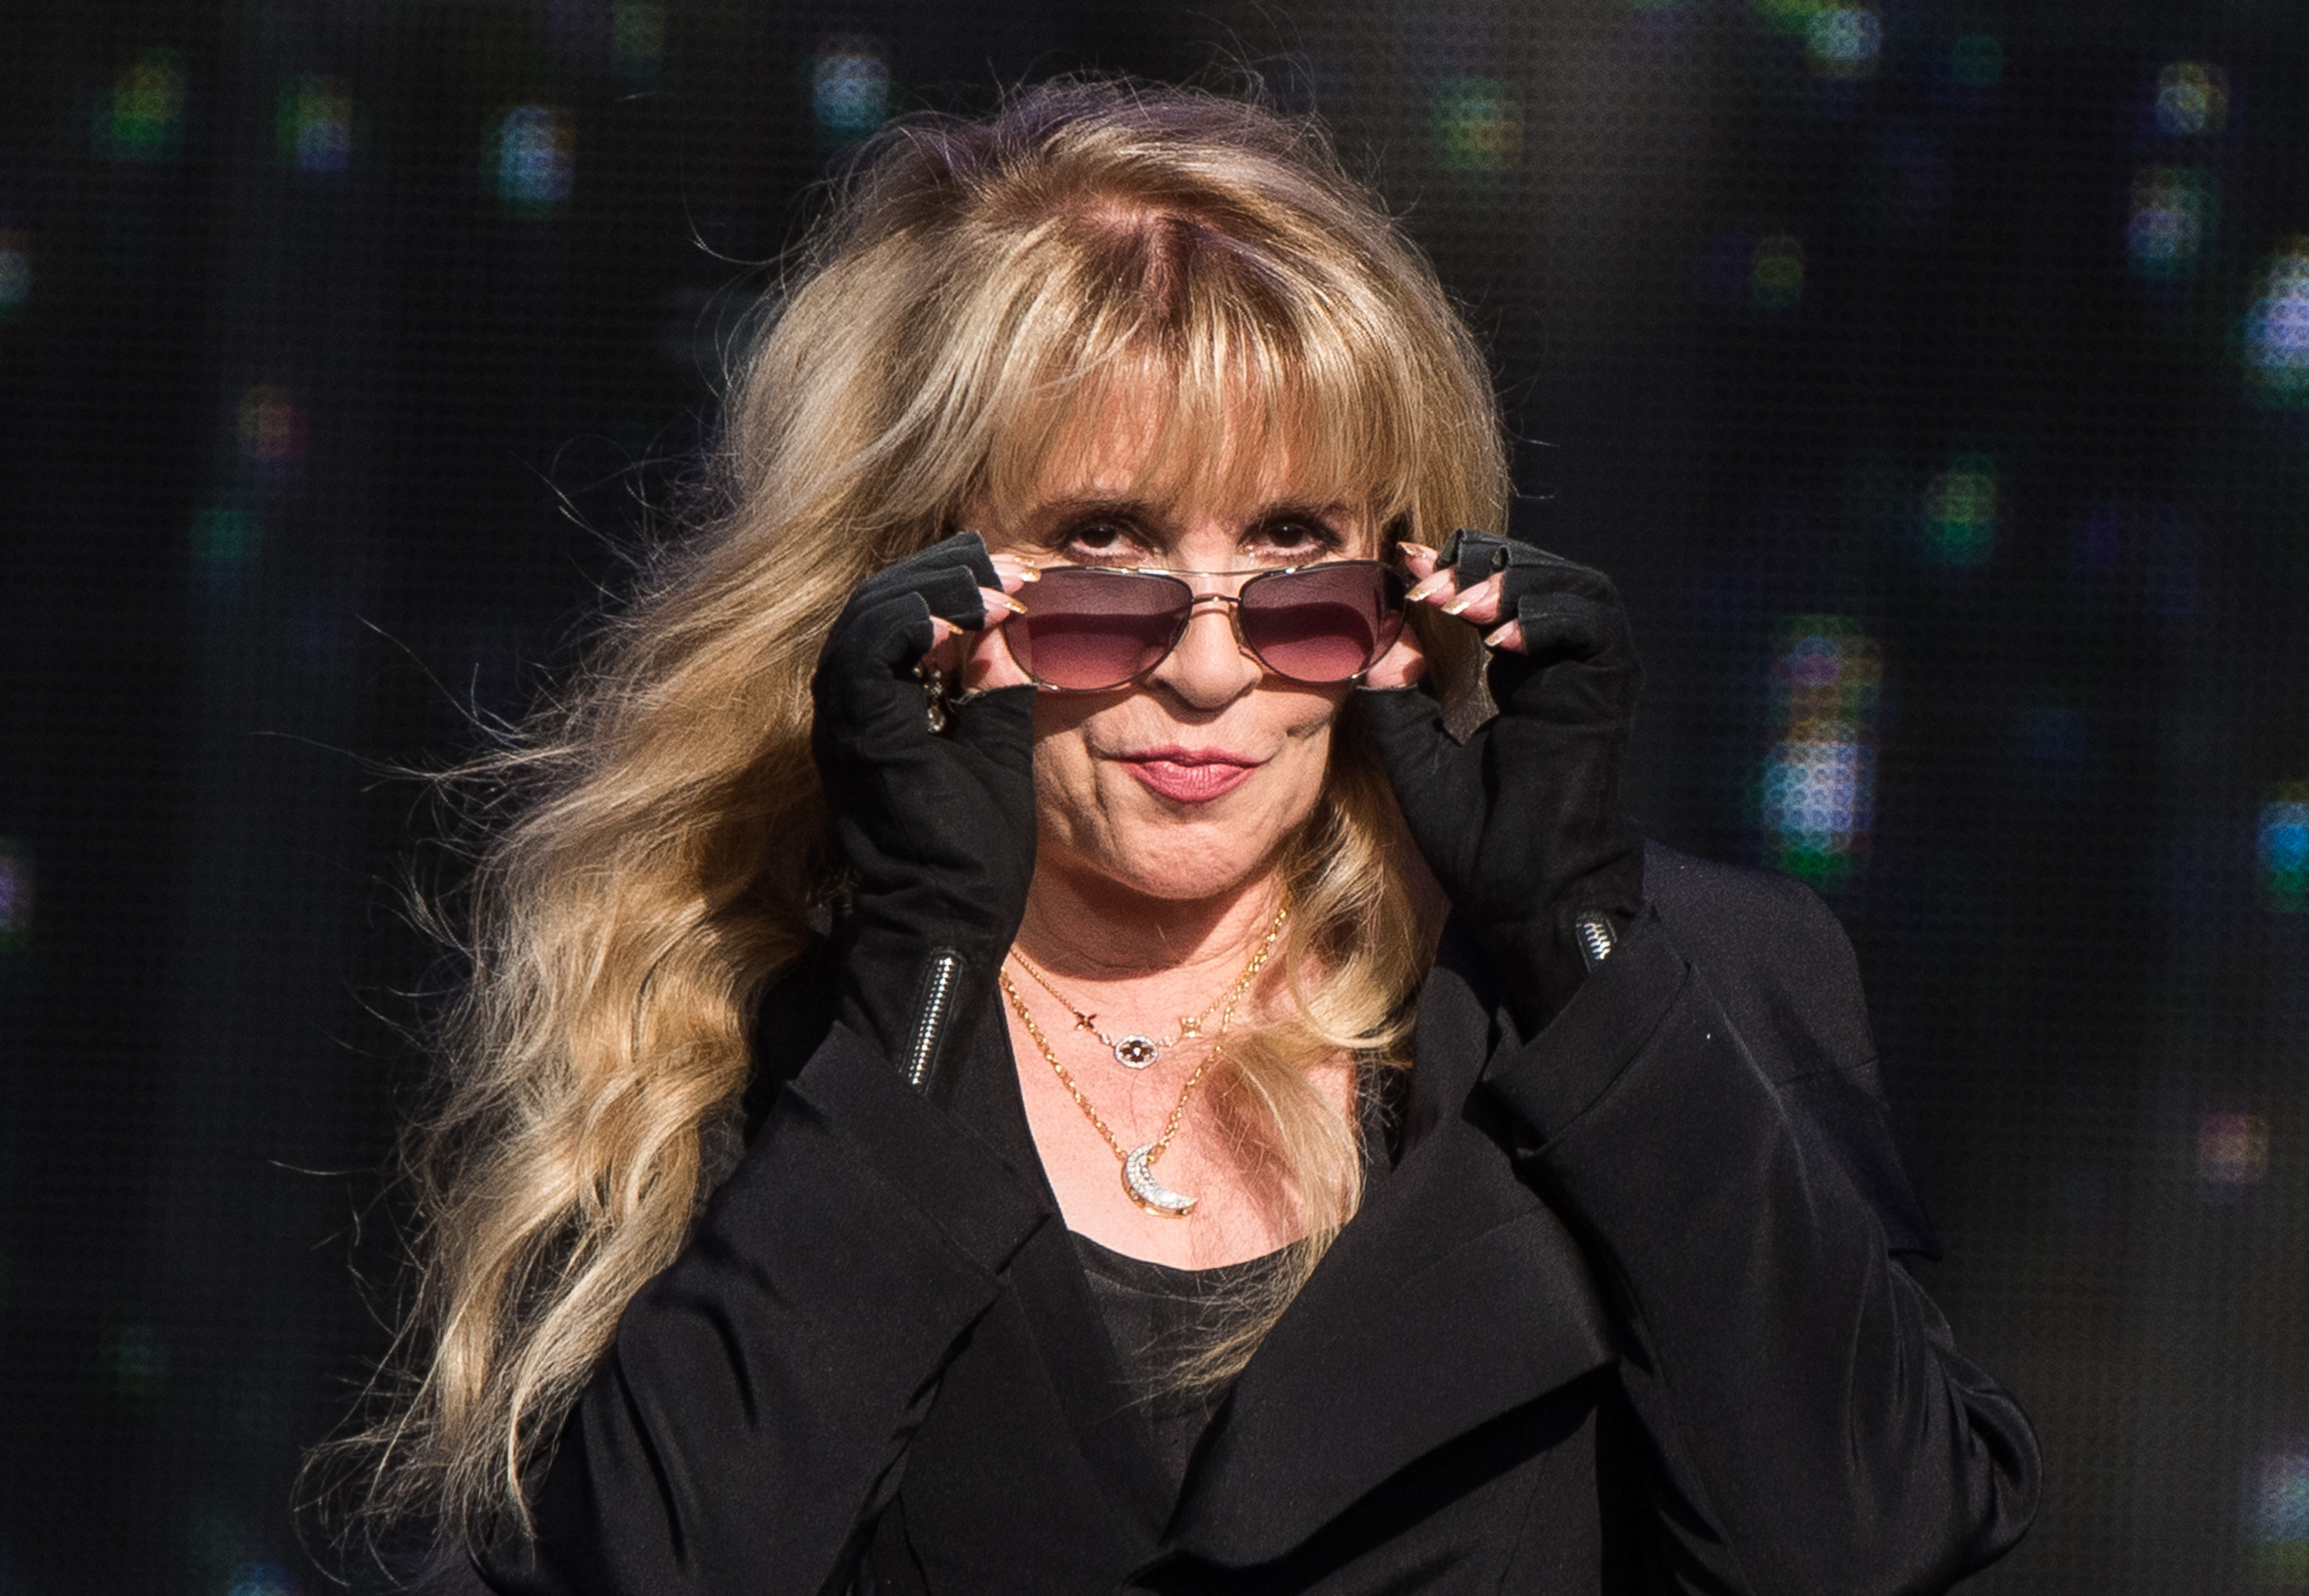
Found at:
<point>1628,1313</point>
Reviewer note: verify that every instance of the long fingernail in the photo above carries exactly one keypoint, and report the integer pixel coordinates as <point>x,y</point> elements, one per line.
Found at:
<point>940,630</point>
<point>1461,602</point>
<point>1418,548</point>
<point>1511,632</point>
<point>1429,588</point>
<point>1005,600</point>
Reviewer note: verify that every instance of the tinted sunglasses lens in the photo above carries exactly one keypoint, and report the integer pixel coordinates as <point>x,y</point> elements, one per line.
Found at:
<point>1325,624</point>
<point>1083,630</point>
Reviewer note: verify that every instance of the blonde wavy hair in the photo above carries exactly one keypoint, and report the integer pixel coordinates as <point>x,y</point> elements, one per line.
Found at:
<point>660,839</point>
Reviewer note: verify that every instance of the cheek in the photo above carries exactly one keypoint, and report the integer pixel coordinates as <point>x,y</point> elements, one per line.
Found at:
<point>1066,788</point>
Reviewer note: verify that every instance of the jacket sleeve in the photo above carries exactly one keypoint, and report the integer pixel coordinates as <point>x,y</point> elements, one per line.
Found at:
<point>1807,1424</point>
<point>752,1415</point>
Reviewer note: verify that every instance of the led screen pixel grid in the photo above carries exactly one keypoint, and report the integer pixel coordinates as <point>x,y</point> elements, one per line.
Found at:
<point>1933,376</point>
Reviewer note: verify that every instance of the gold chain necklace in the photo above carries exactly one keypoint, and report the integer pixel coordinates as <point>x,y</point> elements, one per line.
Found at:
<point>1135,1050</point>
<point>1139,1182</point>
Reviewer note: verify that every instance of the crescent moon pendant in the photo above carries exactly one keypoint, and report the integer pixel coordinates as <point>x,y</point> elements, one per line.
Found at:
<point>1146,1191</point>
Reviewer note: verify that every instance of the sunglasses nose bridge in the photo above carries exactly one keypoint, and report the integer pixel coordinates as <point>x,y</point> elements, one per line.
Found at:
<point>1211,604</point>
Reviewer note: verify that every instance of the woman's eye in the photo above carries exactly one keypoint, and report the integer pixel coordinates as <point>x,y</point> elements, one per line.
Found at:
<point>1107,543</point>
<point>1298,539</point>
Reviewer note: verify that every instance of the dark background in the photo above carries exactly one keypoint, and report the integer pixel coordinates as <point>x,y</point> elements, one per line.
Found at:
<point>1930,374</point>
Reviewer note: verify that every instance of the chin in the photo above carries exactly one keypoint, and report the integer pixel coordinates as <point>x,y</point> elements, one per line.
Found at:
<point>1184,880</point>
<point>1201,854</point>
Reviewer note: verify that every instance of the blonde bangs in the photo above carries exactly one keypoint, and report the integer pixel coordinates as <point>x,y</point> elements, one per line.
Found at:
<point>1256,359</point>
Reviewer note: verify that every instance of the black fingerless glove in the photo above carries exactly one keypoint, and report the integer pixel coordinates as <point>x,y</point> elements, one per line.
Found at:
<point>1521,823</point>
<point>937,828</point>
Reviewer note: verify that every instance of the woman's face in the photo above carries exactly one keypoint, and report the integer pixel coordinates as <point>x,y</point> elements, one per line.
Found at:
<point>1182,785</point>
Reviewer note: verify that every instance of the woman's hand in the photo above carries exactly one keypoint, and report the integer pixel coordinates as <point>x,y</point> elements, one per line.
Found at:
<point>936,826</point>
<point>1521,823</point>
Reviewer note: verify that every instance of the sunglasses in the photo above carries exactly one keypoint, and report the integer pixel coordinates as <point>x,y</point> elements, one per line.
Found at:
<point>1089,629</point>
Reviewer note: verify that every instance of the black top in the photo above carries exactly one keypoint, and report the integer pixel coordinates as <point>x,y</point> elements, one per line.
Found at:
<point>1629,1312</point>
<point>1158,1317</point>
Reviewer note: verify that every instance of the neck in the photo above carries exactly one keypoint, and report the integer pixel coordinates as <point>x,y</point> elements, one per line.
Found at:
<point>1092,929</point>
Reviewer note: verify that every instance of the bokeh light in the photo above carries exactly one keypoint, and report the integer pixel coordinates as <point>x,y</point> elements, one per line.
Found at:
<point>1776,272</point>
<point>1977,61</point>
<point>2172,219</point>
<point>138,1360</point>
<point>15,272</point>
<point>15,894</point>
<point>2277,330</point>
<point>269,425</point>
<point>1790,16</point>
<point>637,41</point>
<point>2053,743</point>
<point>313,125</point>
<point>1961,513</point>
<point>2276,1516</point>
<point>262,1579</point>
<point>849,86</point>
<point>1476,124</point>
<point>143,119</point>
<point>2232,1154</point>
<point>2138,554</point>
<point>2192,98</point>
<point>1844,40</point>
<point>536,159</point>
<point>226,537</point>
<point>1817,794</point>
<point>2281,850</point>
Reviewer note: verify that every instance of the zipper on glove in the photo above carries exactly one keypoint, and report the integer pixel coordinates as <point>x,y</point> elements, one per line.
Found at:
<point>934,1003</point>
<point>1596,938</point>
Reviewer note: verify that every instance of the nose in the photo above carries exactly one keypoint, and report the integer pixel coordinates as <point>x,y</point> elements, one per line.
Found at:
<point>1209,670</point>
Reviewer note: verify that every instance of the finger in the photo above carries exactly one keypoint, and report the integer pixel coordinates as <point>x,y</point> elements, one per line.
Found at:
<point>945,574</point>
<point>1418,559</point>
<point>1401,666</point>
<point>888,635</point>
<point>988,664</point>
<point>1567,625</point>
<point>1508,638</point>
<point>952,648</point>
<point>1000,606</point>
<point>1438,587</point>
<point>1015,571</point>
<point>1472,556</point>
<point>1479,606</point>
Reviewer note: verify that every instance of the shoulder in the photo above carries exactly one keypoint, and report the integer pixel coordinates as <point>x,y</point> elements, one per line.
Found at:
<point>1731,904</point>
<point>1779,966</point>
<point>1776,957</point>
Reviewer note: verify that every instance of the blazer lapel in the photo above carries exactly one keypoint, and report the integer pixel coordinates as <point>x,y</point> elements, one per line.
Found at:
<point>1455,1296</point>
<point>1077,1359</point>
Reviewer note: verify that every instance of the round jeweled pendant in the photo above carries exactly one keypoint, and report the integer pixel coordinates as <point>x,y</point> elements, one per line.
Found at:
<point>1136,1052</point>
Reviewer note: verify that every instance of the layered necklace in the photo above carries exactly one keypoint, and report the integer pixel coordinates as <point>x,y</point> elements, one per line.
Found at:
<point>1133,1050</point>
<point>1138,1181</point>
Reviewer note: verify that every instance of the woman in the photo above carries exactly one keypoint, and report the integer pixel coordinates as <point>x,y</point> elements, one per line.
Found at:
<point>1028,810</point>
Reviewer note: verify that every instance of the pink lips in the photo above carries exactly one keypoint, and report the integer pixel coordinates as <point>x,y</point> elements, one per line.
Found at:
<point>1191,775</point>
